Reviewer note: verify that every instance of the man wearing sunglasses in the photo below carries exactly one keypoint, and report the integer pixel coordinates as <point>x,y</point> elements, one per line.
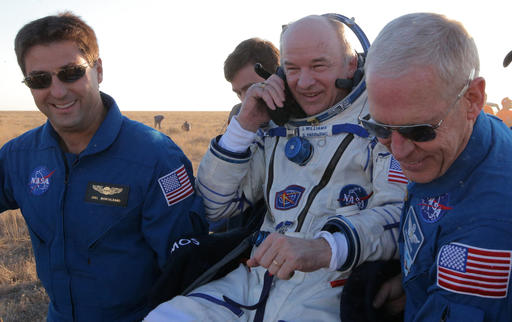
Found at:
<point>425,99</point>
<point>102,195</point>
<point>329,207</point>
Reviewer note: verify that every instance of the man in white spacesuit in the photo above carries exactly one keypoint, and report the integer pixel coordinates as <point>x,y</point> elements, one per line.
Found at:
<point>332,202</point>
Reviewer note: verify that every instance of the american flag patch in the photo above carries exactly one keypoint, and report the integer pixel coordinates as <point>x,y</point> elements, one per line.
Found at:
<point>176,186</point>
<point>395,173</point>
<point>475,271</point>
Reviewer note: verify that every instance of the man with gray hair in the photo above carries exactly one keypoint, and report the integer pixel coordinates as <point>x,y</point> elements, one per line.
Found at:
<point>330,207</point>
<point>426,97</point>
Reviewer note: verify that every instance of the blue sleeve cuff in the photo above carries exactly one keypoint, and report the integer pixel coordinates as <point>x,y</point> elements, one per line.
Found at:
<point>226,155</point>
<point>341,225</point>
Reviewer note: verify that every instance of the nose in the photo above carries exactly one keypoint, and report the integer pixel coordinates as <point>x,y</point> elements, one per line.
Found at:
<point>58,89</point>
<point>305,79</point>
<point>399,146</point>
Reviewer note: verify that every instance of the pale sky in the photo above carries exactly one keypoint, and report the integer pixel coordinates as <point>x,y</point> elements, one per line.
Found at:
<point>169,55</point>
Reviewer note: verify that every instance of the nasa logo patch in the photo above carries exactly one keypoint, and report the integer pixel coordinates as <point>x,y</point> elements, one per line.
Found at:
<point>353,194</point>
<point>39,181</point>
<point>434,208</point>
<point>288,198</point>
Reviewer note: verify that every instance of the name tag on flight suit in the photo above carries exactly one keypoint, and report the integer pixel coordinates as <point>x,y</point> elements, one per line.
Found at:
<point>107,194</point>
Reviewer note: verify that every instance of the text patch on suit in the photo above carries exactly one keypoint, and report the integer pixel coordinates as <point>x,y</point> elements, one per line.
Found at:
<point>107,194</point>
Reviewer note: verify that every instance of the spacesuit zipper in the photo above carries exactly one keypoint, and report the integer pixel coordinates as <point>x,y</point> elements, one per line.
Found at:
<point>324,180</point>
<point>271,178</point>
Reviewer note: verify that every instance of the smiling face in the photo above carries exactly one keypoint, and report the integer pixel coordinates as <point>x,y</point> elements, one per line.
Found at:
<point>313,59</point>
<point>70,107</point>
<point>416,98</point>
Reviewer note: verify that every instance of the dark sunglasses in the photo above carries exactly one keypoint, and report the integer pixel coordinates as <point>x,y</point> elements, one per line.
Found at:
<point>416,132</point>
<point>66,74</point>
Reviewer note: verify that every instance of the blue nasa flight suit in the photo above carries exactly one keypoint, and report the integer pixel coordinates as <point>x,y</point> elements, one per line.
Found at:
<point>455,235</point>
<point>99,222</point>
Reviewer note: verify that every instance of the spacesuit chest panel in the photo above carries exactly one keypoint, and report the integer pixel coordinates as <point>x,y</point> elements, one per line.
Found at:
<point>293,183</point>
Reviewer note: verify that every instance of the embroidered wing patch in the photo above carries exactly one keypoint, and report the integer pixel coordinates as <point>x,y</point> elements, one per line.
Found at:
<point>474,271</point>
<point>176,186</point>
<point>413,237</point>
<point>395,173</point>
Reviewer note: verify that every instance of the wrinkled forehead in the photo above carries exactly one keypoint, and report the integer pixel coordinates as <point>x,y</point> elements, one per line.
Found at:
<point>310,35</point>
<point>412,97</point>
<point>309,31</point>
<point>51,56</point>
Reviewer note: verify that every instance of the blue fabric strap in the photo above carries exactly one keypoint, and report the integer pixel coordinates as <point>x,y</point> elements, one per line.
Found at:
<point>350,128</point>
<point>235,309</point>
<point>277,131</point>
<point>307,131</point>
<point>262,303</point>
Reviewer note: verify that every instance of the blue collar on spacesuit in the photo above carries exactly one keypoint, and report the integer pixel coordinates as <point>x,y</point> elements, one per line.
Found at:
<point>318,131</point>
<point>309,127</point>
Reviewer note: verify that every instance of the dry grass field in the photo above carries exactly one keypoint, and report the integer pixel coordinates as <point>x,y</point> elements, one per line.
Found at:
<point>22,297</point>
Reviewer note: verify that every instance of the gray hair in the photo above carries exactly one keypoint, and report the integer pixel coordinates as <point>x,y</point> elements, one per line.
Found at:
<point>424,39</point>
<point>338,27</point>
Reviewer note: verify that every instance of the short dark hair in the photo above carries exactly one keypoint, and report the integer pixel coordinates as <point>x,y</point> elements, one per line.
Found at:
<point>61,27</point>
<point>251,51</point>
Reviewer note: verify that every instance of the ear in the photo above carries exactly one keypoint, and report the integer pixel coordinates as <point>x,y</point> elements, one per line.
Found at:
<point>352,67</point>
<point>476,97</point>
<point>99,70</point>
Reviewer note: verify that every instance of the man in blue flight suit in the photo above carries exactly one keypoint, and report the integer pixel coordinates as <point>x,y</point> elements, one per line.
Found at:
<point>425,98</point>
<point>102,195</point>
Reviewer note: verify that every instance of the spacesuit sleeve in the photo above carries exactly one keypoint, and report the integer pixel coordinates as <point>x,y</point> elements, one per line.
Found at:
<point>171,207</point>
<point>6,198</point>
<point>230,182</point>
<point>470,275</point>
<point>372,233</point>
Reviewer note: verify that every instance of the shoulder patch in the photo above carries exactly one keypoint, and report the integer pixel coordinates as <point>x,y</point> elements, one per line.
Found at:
<point>413,238</point>
<point>289,197</point>
<point>470,270</point>
<point>434,208</point>
<point>40,180</point>
<point>176,186</point>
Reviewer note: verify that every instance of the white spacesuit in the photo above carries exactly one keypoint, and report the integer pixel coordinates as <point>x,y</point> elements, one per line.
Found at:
<point>362,198</point>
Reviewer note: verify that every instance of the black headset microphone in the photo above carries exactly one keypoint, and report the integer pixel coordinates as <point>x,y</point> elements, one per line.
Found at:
<point>344,83</point>
<point>349,83</point>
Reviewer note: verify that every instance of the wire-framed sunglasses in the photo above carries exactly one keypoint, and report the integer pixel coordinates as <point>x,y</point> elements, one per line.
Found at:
<point>416,132</point>
<point>66,74</point>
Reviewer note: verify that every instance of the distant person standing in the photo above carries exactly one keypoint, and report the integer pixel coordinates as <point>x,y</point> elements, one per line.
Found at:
<point>239,66</point>
<point>102,195</point>
<point>158,121</point>
<point>505,114</point>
